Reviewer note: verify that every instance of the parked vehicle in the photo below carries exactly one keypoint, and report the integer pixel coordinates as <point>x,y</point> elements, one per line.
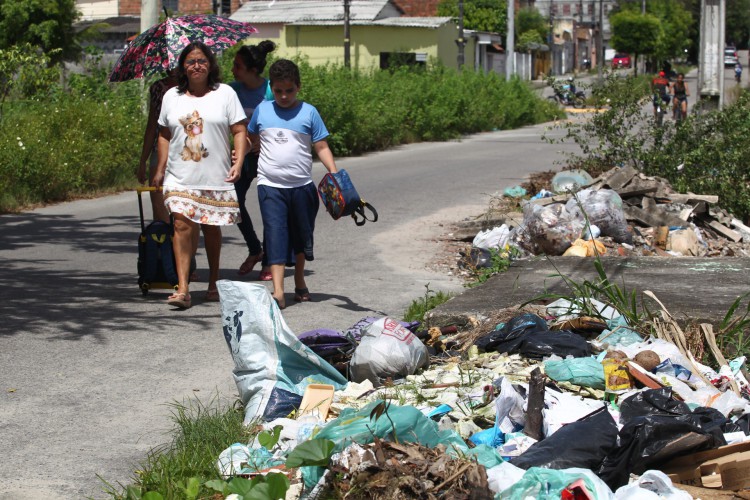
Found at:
<point>730,56</point>
<point>566,94</point>
<point>621,61</point>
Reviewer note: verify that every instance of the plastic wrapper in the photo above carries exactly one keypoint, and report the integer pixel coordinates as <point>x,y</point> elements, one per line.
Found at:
<point>652,485</point>
<point>587,372</point>
<point>616,376</point>
<point>603,207</point>
<point>570,180</point>
<point>549,484</point>
<point>583,444</point>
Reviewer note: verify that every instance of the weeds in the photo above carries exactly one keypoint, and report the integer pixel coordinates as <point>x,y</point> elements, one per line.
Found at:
<point>202,431</point>
<point>733,339</point>
<point>499,262</point>
<point>419,307</point>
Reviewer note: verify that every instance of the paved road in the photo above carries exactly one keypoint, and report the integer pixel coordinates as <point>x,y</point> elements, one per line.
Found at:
<point>88,366</point>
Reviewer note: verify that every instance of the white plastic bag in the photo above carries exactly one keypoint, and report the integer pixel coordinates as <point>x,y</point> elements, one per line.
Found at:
<point>272,367</point>
<point>494,238</point>
<point>387,349</point>
<point>652,485</point>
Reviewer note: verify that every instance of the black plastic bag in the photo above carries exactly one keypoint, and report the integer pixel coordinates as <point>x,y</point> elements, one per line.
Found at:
<point>583,444</point>
<point>652,402</point>
<point>529,335</point>
<point>647,441</point>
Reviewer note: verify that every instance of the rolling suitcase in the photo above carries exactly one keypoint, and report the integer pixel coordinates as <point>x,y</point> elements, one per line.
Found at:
<point>156,265</point>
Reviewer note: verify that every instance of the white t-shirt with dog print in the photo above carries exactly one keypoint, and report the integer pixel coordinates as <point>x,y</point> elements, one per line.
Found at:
<point>199,153</point>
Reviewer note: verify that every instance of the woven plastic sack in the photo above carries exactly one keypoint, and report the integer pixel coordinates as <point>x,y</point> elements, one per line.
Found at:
<point>272,367</point>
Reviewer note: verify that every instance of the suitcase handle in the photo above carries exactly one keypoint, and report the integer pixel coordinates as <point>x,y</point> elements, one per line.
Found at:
<point>139,190</point>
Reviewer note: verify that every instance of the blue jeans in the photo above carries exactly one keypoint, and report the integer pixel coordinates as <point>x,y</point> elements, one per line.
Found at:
<point>288,221</point>
<point>249,172</point>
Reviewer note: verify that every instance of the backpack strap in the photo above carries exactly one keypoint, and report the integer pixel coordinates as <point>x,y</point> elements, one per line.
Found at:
<point>360,210</point>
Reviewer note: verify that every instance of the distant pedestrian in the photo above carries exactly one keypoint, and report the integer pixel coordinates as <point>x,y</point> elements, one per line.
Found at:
<point>252,89</point>
<point>195,162</point>
<point>288,131</point>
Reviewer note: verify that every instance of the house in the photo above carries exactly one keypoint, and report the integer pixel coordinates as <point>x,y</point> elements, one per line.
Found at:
<point>379,32</point>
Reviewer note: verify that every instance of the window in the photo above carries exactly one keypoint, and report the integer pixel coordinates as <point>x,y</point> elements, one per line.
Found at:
<point>396,59</point>
<point>566,9</point>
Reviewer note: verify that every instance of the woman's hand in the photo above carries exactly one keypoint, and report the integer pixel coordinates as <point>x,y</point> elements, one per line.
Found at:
<point>234,173</point>
<point>158,179</point>
<point>142,178</point>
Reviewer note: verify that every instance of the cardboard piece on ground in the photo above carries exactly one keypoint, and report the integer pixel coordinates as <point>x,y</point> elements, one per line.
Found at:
<point>709,455</point>
<point>725,469</point>
<point>317,400</point>
<point>705,493</point>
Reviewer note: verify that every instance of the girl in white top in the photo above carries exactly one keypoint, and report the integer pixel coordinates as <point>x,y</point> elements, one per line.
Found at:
<point>195,162</point>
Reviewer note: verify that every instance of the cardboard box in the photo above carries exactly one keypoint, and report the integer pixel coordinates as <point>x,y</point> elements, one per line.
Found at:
<point>727,471</point>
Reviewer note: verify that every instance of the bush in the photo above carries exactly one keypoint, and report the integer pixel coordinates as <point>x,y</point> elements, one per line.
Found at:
<point>705,154</point>
<point>89,137</point>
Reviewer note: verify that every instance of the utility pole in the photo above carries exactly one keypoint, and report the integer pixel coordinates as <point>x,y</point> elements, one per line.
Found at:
<point>347,44</point>
<point>600,44</point>
<point>460,41</point>
<point>149,14</point>
<point>510,46</point>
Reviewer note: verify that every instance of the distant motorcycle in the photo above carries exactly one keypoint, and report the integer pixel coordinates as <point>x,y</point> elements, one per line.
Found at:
<point>568,95</point>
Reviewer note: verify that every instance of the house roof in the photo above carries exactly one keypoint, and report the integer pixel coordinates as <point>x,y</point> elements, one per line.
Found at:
<point>405,22</point>
<point>314,11</point>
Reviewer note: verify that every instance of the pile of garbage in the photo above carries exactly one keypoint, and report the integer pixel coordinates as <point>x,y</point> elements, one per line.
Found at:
<point>622,212</point>
<point>545,403</point>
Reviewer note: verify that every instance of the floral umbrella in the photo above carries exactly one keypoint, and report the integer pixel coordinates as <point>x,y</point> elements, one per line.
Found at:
<point>158,48</point>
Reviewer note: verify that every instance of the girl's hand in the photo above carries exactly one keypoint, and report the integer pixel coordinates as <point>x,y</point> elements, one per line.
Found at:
<point>234,173</point>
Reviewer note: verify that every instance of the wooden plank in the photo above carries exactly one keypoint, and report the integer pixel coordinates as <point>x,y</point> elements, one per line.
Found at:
<point>692,198</point>
<point>621,178</point>
<point>653,218</point>
<point>725,231</point>
<point>558,198</point>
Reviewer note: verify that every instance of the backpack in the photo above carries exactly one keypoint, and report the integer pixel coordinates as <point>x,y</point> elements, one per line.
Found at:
<point>155,255</point>
<point>340,198</point>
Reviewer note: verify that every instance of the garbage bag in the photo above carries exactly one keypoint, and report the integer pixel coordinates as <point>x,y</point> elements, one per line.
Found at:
<point>272,367</point>
<point>587,372</point>
<point>387,349</point>
<point>646,441</point>
<point>358,329</point>
<point>651,402</point>
<point>583,444</point>
<point>548,229</point>
<point>548,484</point>
<point>529,335</point>
<point>603,207</point>
<point>509,413</point>
<point>494,238</point>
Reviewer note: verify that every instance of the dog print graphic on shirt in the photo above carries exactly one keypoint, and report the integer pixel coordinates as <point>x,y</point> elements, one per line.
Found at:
<point>194,148</point>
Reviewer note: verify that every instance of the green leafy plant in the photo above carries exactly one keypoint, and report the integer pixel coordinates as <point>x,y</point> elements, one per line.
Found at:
<point>381,409</point>
<point>733,337</point>
<point>313,452</point>
<point>269,439</point>
<point>499,262</point>
<point>272,486</point>
<point>421,306</point>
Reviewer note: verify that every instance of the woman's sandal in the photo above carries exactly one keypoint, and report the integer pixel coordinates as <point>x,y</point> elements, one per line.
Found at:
<point>179,299</point>
<point>249,264</point>
<point>212,295</point>
<point>281,303</point>
<point>301,295</point>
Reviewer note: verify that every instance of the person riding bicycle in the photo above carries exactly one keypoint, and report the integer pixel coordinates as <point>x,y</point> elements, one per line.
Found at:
<point>681,93</point>
<point>659,89</point>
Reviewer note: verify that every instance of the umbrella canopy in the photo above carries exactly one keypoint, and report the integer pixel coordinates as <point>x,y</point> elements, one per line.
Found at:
<point>158,48</point>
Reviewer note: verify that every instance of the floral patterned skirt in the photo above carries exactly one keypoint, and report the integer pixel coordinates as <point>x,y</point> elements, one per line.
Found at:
<point>204,206</point>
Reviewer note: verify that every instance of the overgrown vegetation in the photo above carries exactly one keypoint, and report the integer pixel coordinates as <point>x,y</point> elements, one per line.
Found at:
<point>421,306</point>
<point>705,154</point>
<point>61,141</point>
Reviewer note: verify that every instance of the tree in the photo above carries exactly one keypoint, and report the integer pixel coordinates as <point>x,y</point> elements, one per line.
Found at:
<point>530,20</point>
<point>676,22</point>
<point>47,24</point>
<point>738,22</point>
<point>635,33</point>
<point>479,15</point>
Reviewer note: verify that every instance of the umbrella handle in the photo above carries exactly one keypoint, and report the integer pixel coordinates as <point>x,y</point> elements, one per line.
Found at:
<point>166,14</point>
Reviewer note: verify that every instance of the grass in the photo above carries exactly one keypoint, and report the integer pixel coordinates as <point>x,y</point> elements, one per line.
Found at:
<point>201,432</point>
<point>419,307</point>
